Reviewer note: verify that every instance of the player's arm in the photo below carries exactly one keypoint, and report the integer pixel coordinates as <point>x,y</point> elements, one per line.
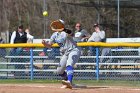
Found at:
<point>49,43</point>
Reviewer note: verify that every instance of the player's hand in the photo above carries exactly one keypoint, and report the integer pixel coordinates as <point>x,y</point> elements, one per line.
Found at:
<point>46,44</point>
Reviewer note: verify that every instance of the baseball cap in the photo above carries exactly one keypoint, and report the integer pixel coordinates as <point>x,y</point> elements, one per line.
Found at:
<point>96,25</point>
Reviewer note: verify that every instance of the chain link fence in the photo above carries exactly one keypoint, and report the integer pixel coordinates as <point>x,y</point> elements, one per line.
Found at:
<point>101,63</point>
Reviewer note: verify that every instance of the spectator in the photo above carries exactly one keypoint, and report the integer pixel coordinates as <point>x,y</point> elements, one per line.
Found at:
<point>19,36</point>
<point>97,36</point>
<point>81,35</point>
<point>2,50</point>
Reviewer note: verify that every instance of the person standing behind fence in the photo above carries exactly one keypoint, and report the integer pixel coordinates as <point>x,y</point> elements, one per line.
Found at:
<point>97,36</point>
<point>69,51</point>
<point>19,36</point>
<point>81,35</point>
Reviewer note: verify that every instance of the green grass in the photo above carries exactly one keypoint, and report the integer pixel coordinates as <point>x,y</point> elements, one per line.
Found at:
<point>85,82</point>
<point>24,81</point>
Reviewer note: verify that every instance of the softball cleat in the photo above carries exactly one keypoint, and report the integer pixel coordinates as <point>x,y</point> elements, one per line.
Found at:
<point>67,83</point>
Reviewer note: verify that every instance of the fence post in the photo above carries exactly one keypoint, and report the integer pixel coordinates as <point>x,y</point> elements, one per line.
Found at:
<point>31,63</point>
<point>97,63</point>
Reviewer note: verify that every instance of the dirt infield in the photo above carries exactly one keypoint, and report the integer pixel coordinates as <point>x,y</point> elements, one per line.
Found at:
<point>55,88</point>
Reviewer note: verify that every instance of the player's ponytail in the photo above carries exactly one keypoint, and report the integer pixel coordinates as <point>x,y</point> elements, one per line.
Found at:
<point>68,31</point>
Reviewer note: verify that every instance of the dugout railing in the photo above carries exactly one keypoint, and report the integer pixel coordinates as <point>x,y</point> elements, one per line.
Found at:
<point>43,67</point>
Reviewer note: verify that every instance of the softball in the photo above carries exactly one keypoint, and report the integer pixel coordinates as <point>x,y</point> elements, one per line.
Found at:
<point>45,13</point>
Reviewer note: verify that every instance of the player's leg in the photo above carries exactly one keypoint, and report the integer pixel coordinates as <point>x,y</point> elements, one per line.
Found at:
<point>73,57</point>
<point>61,67</point>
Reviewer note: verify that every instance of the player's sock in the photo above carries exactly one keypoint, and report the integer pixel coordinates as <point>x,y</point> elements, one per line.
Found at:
<point>64,76</point>
<point>70,73</point>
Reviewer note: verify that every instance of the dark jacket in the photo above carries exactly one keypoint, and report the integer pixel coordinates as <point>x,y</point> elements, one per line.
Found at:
<point>21,39</point>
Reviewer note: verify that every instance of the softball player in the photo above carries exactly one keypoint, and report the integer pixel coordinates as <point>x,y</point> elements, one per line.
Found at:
<point>70,53</point>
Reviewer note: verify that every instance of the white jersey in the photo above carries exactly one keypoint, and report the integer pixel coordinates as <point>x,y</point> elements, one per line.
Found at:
<point>97,36</point>
<point>65,42</point>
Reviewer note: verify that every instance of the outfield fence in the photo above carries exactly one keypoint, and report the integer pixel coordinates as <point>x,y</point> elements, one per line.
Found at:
<point>113,61</point>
